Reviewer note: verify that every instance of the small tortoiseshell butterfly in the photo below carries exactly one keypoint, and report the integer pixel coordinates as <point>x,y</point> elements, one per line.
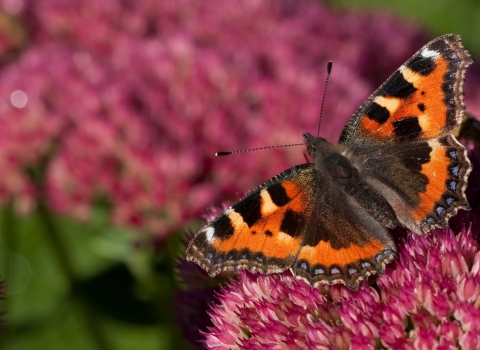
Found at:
<point>396,164</point>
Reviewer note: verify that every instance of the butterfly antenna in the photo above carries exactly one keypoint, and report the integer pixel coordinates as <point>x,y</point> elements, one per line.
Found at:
<point>221,154</point>
<point>329,70</point>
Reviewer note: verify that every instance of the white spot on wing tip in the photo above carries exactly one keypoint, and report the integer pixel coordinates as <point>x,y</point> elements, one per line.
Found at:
<point>427,53</point>
<point>209,233</point>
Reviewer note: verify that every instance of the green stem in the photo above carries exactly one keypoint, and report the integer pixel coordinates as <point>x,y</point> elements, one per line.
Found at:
<point>56,242</point>
<point>92,322</point>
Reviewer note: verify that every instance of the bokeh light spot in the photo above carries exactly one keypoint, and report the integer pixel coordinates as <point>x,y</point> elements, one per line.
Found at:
<point>81,59</point>
<point>19,99</point>
<point>13,6</point>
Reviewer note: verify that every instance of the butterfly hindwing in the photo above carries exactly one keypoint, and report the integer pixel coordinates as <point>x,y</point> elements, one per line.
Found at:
<point>423,181</point>
<point>449,166</point>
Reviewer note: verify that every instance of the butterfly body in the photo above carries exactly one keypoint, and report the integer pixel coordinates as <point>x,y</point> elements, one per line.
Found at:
<point>396,164</point>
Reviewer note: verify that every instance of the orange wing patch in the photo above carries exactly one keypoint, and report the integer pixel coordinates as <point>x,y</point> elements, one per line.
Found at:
<point>438,165</point>
<point>423,109</point>
<point>447,172</point>
<point>325,255</point>
<point>270,234</point>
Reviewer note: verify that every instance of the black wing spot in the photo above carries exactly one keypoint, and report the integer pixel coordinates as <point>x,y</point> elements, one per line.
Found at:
<point>421,65</point>
<point>249,209</point>
<point>224,228</point>
<point>378,113</point>
<point>398,87</point>
<point>421,107</point>
<point>292,223</point>
<point>268,233</point>
<point>414,157</point>
<point>407,129</point>
<point>278,194</point>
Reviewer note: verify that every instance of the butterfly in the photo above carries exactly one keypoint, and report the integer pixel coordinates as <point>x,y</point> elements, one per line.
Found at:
<point>396,164</point>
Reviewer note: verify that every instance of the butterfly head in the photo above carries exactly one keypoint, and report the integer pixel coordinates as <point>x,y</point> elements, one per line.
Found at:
<point>313,143</point>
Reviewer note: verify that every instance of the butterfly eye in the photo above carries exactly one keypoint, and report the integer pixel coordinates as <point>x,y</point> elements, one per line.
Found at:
<point>311,144</point>
<point>311,149</point>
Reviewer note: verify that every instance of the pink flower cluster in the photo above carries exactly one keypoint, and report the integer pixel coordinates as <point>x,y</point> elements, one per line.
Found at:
<point>127,101</point>
<point>429,300</point>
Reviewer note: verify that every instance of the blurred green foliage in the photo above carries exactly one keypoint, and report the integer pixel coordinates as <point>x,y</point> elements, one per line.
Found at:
<point>85,286</point>
<point>438,17</point>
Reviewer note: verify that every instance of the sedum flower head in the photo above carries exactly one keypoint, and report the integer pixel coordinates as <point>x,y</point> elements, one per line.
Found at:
<point>428,299</point>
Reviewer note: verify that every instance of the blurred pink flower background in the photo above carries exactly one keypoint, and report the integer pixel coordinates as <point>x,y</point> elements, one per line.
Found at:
<point>132,112</point>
